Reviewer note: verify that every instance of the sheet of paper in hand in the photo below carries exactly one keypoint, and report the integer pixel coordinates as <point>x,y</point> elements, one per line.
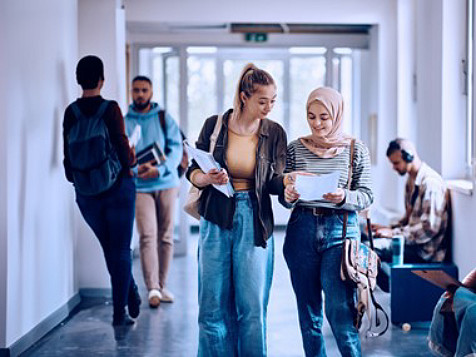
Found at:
<point>206,161</point>
<point>313,187</point>
<point>135,136</point>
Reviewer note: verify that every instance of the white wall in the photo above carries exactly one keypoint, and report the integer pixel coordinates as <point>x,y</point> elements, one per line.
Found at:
<point>406,109</point>
<point>453,100</point>
<point>3,180</point>
<point>101,33</point>
<point>36,228</point>
<point>441,43</point>
<point>429,80</point>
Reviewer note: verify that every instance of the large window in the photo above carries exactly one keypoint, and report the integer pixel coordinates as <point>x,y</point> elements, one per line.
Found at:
<point>201,92</point>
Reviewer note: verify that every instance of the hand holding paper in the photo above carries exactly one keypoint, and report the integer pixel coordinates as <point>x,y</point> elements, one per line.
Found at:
<point>311,188</point>
<point>207,163</point>
<point>217,177</point>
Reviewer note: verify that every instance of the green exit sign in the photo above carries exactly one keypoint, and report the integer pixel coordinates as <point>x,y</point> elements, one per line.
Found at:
<point>256,37</point>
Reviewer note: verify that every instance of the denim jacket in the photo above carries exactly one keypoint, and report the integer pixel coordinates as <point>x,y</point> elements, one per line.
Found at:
<point>270,162</point>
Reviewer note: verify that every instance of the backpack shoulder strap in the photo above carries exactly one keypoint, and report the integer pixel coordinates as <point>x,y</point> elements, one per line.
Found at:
<point>162,121</point>
<point>76,111</point>
<point>164,128</point>
<point>99,113</point>
<point>102,108</point>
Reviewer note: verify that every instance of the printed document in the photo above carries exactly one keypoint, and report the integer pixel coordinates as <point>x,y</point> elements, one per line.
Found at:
<point>206,161</point>
<point>312,188</point>
<point>135,137</point>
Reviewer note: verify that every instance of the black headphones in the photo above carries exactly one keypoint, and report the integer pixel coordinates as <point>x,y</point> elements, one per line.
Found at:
<point>394,145</point>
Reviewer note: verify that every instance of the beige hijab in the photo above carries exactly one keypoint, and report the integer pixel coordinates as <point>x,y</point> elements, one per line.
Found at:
<point>336,141</point>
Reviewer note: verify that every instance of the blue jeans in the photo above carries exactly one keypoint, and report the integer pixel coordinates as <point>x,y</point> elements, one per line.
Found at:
<point>111,216</point>
<point>234,279</point>
<point>313,251</point>
<point>455,334</point>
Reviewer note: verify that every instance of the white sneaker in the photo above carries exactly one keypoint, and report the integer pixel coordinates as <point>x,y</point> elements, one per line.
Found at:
<point>166,295</point>
<point>154,298</point>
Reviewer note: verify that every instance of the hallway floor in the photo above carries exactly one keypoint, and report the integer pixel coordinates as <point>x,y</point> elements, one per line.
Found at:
<point>172,330</point>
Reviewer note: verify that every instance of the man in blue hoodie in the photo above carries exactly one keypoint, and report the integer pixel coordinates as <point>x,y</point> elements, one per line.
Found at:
<point>157,188</point>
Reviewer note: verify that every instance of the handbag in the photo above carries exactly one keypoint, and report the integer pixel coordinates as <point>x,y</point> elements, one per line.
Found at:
<point>359,268</point>
<point>193,197</point>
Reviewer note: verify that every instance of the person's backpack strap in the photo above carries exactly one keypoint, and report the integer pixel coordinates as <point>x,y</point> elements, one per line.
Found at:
<point>77,113</point>
<point>164,128</point>
<point>99,113</point>
<point>162,121</point>
<point>102,108</point>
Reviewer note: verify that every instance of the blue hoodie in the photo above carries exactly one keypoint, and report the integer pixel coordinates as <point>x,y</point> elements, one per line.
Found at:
<point>151,131</point>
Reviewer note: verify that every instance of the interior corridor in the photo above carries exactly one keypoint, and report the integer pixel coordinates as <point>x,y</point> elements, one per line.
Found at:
<point>172,329</point>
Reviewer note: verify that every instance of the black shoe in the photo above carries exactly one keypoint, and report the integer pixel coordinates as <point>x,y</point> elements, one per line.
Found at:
<point>122,320</point>
<point>134,301</point>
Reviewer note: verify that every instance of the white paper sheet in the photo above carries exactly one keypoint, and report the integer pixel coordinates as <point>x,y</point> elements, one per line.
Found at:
<point>312,188</point>
<point>135,137</point>
<point>206,161</point>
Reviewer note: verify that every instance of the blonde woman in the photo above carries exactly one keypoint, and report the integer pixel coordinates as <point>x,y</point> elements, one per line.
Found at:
<point>313,243</point>
<point>235,259</point>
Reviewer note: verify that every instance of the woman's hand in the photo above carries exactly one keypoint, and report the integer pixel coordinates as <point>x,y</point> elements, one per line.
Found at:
<point>217,177</point>
<point>335,197</point>
<point>290,193</point>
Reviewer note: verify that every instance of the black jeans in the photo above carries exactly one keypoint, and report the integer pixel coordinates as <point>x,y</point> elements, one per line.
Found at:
<point>111,216</point>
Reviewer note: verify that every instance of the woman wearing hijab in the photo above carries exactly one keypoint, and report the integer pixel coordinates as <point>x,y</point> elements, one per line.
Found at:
<point>313,244</point>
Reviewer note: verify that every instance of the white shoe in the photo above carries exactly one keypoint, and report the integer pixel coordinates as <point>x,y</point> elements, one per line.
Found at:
<point>154,298</point>
<point>166,295</point>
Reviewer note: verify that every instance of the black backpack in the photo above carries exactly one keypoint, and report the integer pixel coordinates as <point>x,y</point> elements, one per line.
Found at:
<point>94,161</point>
<point>182,167</point>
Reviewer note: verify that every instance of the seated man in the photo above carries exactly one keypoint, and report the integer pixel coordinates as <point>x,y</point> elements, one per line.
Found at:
<point>427,209</point>
<point>453,327</point>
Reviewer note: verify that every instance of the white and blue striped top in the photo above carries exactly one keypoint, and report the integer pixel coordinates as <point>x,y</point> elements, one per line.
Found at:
<point>360,195</point>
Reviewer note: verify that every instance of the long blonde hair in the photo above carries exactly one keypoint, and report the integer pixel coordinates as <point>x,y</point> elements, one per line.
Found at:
<point>251,76</point>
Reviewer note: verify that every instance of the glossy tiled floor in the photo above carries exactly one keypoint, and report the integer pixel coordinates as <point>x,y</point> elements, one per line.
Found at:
<point>172,330</point>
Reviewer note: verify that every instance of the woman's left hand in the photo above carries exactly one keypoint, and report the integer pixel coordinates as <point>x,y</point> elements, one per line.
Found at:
<point>335,197</point>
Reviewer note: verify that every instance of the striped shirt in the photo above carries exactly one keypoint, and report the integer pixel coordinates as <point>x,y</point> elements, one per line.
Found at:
<point>360,195</point>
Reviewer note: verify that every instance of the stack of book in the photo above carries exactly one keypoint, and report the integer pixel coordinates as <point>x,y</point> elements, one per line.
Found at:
<point>152,154</point>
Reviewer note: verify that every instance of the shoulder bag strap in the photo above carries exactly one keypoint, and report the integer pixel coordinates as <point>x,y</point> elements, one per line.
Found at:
<point>349,181</point>
<point>216,132</point>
